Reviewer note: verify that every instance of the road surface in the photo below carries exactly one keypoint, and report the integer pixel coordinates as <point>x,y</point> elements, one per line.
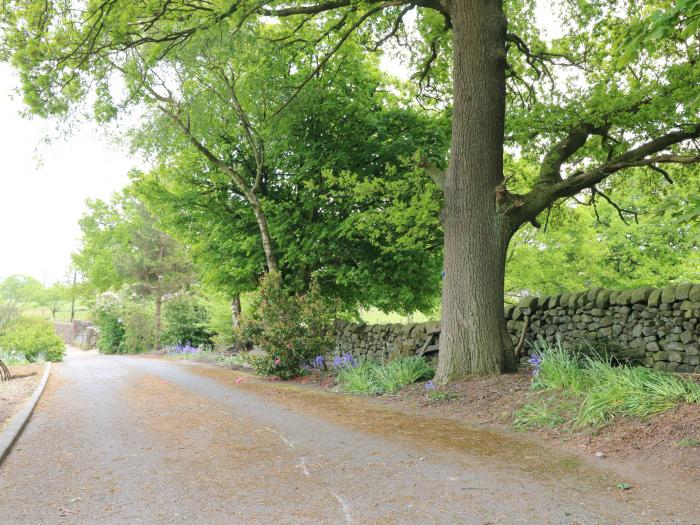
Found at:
<point>119,439</point>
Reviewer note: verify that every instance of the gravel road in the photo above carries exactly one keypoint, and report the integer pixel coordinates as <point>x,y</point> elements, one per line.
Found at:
<point>119,439</point>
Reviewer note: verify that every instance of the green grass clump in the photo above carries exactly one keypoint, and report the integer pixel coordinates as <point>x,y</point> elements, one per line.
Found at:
<point>688,443</point>
<point>599,390</point>
<point>11,358</point>
<point>383,378</point>
<point>540,414</point>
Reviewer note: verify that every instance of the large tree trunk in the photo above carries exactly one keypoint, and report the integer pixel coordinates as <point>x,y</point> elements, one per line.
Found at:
<point>473,337</point>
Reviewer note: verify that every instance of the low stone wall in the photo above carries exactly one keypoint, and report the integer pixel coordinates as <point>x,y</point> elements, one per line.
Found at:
<point>79,333</point>
<point>381,341</point>
<point>661,325</point>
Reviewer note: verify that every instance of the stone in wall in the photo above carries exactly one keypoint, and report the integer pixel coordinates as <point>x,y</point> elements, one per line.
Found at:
<point>662,326</point>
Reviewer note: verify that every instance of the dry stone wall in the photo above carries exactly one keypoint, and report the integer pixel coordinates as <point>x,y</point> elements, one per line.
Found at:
<point>661,325</point>
<point>79,333</point>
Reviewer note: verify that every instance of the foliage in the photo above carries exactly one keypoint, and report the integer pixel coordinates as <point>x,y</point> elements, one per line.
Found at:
<point>680,20</point>
<point>125,324</point>
<point>9,314</point>
<point>35,339</point>
<point>291,329</point>
<point>186,322</point>
<point>107,318</point>
<point>10,357</point>
<point>599,391</point>
<point>370,378</point>
<point>21,290</point>
<point>370,209</point>
<point>139,331</point>
<point>584,247</point>
<point>122,246</point>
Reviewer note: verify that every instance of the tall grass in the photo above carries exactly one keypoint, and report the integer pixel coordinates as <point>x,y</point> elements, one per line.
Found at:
<point>383,378</point>
<point>597,392</point>
<point>12,358</point>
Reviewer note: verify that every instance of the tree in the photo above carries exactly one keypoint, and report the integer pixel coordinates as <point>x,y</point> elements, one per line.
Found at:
<point>21,290</point>
<point>580,128</point>
<point>52,298</point>
<point>121,246</point>
<point>362,221</point>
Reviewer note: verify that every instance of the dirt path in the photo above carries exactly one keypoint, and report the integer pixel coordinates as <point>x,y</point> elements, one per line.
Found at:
<point>134,440</point>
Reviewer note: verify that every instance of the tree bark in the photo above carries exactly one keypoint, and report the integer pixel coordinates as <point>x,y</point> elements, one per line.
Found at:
<point>159,299</point>
<point>265,237</point>
<point>473,337</point>
<point>236,311</point>
<point>159,303</point>
<point>236,321</point>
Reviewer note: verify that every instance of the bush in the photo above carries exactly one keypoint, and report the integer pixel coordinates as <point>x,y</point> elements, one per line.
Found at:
<point>107,318</point>
<point>291,329</point>
<point>139,328</point>
<point>126,327</point>
<point>385,378</point>
<point>186,321</point>
<point>35,339</point>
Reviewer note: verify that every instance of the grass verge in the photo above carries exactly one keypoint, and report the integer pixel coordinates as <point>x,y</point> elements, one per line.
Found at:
<point>591,390</point>
<point>370,378</point>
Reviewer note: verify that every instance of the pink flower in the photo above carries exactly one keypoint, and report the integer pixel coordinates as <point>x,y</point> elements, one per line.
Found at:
<point>240,380</point>
<point>277,361</point>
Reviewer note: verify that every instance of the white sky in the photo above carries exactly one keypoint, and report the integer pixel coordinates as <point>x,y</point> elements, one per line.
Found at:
<point>43,186</point>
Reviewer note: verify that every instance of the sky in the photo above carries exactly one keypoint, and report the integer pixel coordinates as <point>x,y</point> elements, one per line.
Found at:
<point>43,186</point>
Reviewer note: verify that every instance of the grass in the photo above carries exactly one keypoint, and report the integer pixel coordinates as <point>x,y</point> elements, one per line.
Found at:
<point>375,316</point>
<point>441,395</point>
<point>369,378</point>
<point>593,391</point>
<point>12,358</point>
<point>688,443</point>
<point>210,356</point>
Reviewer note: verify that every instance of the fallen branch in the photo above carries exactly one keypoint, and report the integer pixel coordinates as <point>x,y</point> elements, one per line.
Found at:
<point>521,342</point>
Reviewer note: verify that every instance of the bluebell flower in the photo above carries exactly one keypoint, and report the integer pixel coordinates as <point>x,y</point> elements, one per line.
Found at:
<point>318,362</point>
<point>535,361</point>
<point>430,385</point>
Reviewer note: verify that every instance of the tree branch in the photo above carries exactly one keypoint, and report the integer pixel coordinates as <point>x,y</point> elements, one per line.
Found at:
<point>549,190</point>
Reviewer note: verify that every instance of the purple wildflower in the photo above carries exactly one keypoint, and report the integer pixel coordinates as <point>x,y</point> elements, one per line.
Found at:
<point>344,361</point>
<point>318,362</point>
<point>535,361</point>
<point>430,386</point>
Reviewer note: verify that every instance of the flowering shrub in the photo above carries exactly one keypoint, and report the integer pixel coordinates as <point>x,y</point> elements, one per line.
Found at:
<point>292,329</point>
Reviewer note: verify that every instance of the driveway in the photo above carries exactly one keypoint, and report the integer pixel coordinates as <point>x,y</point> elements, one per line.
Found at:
<point>119,439</point>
